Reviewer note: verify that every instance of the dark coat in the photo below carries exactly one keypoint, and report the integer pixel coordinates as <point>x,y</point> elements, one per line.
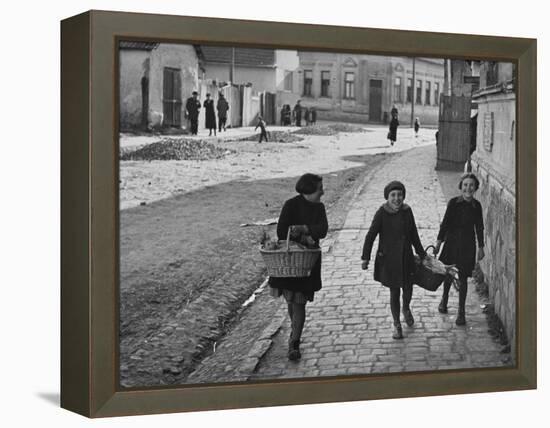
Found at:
<point>222,108</point>
<point>394,262</point>
<point>298,211</point>
<point>192,106</point>
<point>394,123</point>
<point>210,121</point>
<point>463,221</point>
<point>298,112</point>
<point>313,116</point>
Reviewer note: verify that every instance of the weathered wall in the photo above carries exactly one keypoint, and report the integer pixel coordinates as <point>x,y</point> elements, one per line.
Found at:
<point>261,78</point>
<point>251,107</point>
<point>495,166</point>
<point>427,71</point>
<point>182,57</point>
<point>367,68</point>
<point>133,66</point>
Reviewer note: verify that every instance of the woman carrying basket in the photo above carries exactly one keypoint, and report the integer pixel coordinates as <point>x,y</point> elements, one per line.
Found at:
<point>462,223</point>
<point>306,217</point>
<point>394,262</point>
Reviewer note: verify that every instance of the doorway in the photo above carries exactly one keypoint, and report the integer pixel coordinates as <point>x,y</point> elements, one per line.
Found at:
<point>375,100</point>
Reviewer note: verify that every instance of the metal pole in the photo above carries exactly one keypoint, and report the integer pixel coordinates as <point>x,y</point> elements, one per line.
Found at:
<point>446,77</point>
<point>232,66</point>
<point>413,92</point>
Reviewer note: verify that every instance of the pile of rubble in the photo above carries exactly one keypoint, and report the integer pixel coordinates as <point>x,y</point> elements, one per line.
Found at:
<point>275,137</point>
<point>327,130</point>
<point>176,149</point>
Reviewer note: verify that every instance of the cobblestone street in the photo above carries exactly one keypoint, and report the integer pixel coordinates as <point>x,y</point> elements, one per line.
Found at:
<point>348,326</point>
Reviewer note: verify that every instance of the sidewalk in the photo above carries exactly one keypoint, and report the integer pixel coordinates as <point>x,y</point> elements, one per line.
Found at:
<point>349,325</point>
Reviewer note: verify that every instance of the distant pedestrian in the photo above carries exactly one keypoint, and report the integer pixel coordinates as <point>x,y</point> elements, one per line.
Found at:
<point>461,225</point>
<point>306,217</point>
<point>313,114</point>
<point>261,124</point>
<point>394,262</point>
<point>192,107</point>
<point>306,116</point>
<point>210,115</point>
<point>416,127</point>
<point>286,115</point>
<point>222,107</point>
<point>392,134</point>
<point>297,112</point>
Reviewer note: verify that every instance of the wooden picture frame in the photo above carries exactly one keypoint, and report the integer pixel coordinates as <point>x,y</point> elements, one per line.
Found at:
<point>89,218</point>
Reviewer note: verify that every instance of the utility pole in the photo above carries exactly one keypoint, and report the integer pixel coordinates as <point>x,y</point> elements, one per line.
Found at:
<point>232,66</point>
<point>413,100</point>
<point>446,77</point>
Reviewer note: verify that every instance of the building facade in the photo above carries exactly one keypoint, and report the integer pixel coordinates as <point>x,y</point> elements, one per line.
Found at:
<point>364,88</point>
<point>494,162</point>
<point>270,71</point>
<point>155,80</point>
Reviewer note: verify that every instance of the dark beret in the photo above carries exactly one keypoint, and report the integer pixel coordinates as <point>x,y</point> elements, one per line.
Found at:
<point>394,185</point>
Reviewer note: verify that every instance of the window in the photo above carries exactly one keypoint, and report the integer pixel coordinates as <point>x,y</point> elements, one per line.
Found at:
<point>397,90</point>
<point>308,82</point>
<point>436,93</point>
<point>428,93</point>
<point>288,81</point>
<point>349,85</point>
<point>325,83</point>
<point>409,90</point>
<point>419,92</point>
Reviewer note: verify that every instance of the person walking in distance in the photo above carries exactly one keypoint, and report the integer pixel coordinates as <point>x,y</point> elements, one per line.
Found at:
<point>263,133</point>
<point>298,113</point>
<point>306,217</point>
<point>392,134</point>
<point>416,127</point>
<point>395,226</point>
<point>192,107</point>
<point>210,115</point>
<point>222,107</point>
<point>461,225</point>
<point>313,115</point>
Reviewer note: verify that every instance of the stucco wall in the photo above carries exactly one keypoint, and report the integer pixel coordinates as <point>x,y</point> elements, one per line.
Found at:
<point>495,168</point>
<point>182,57</point>
<point>262,79</point>
<point>133,66</point>
<point>285,61</point>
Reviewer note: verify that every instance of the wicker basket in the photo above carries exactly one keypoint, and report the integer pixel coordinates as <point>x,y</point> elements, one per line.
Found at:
<point>290,262</point>
<point>424,277</point>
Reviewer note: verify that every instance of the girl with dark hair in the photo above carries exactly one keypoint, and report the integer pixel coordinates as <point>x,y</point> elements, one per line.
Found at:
<point>461,225</point>
<point>394,262</point>
<point>306,217</point>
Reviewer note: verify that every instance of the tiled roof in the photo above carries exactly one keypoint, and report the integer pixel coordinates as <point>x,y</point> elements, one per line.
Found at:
<point>243,56</point>
<point>148,46</point>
